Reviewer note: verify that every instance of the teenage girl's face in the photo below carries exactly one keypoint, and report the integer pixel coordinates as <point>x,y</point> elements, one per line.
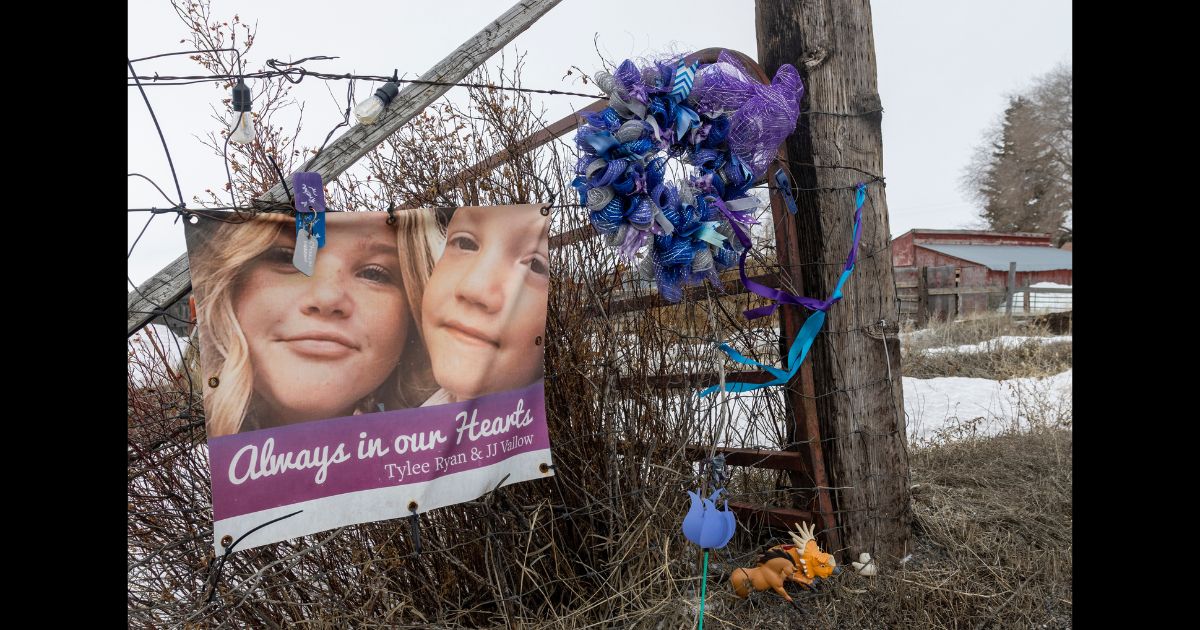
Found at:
<point>485,303</point>
<point>320,344</point>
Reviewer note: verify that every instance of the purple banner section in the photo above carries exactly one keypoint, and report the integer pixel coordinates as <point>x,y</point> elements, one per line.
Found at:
<point>284,465</point>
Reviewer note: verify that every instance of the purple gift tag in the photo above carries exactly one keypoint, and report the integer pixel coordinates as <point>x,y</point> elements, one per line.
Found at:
<point>310,205</point>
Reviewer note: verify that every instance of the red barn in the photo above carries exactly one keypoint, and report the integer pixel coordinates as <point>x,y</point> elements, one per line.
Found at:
<point>1036,257</point>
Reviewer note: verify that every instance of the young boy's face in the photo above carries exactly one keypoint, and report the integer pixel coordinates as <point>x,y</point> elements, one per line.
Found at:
<point>485,303</point>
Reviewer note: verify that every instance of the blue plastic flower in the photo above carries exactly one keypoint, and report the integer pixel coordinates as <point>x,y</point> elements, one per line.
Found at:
<point>707,526</point>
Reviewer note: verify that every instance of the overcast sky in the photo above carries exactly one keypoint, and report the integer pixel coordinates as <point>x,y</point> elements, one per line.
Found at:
<point>946,68</point>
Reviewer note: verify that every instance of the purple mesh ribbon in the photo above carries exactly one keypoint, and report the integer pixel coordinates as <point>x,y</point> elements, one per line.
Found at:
<point>763,115</point>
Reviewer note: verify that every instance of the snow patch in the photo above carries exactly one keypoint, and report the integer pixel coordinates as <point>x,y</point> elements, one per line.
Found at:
<point>946,408</point>
<point>998,343</point>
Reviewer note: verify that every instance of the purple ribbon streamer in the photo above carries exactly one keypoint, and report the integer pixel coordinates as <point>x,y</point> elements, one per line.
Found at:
<point>783,297</point>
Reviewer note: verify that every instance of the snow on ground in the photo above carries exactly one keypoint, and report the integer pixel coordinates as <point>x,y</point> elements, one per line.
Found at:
<point>956,407</point>
<point>944,408</point>
<point>991,345</point>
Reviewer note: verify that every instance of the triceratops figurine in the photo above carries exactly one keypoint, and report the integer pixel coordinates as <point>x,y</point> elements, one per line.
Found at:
<point>803,561</point>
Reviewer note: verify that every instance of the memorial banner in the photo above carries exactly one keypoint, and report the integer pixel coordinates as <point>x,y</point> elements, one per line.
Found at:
<point>396,367</point>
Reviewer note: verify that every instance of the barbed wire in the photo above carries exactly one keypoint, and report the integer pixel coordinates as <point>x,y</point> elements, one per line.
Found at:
<point>292,70</point>
<point>163,81</point>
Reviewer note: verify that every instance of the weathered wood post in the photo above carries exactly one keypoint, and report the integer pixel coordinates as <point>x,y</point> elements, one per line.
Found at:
<point>856,358</point>
<point>922,297</point>
<point>1011,289</point>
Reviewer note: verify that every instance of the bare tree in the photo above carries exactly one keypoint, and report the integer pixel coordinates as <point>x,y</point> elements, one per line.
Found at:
<point>1022,173</point>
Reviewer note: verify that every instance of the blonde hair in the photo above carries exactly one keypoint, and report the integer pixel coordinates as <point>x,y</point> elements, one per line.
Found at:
<point>217,265</point>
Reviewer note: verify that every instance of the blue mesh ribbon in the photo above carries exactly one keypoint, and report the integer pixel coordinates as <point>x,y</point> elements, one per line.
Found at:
<point>686,118</point>
<point>602,142</point>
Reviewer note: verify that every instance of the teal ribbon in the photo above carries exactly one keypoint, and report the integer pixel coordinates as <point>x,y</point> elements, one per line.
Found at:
<point>799,350</point>
<point>804,339</point>
<point>685,76</point>
<point>708,233</point>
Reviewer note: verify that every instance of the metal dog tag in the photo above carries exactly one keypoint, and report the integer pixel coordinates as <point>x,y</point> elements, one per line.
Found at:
<point>305,255</point>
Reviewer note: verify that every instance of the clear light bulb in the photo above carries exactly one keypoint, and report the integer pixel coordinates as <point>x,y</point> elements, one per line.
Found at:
<point>369,110</point>
<point>242,129</point>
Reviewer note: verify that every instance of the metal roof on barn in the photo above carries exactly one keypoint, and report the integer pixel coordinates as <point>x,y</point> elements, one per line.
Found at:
<point>997,257</point>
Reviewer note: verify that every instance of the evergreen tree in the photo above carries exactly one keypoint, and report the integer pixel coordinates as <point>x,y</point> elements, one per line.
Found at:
<point>1022,174</point>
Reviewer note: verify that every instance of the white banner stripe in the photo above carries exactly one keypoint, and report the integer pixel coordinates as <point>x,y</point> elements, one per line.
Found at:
<point>378,504</point>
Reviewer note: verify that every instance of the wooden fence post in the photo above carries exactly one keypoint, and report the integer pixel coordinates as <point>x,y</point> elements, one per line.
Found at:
<point>1011,289</point>
<point>832,46</point>
<point>922,297</point>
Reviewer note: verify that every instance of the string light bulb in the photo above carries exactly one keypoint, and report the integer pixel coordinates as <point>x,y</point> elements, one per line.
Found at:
<point>242,129</point>
<point>369,110</point>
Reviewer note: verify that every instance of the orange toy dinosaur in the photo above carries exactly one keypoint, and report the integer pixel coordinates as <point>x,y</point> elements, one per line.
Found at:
<point>810,561</point>
<point>774,567</point>
<point>800,562</point>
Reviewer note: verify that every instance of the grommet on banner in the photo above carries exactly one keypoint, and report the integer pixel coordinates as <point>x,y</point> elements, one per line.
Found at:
<point>537,341</point>
<point>415,521</point>
<point>213,381</point>
<point>545,468</point>
<point>545,211</point>
<point>229,543</point>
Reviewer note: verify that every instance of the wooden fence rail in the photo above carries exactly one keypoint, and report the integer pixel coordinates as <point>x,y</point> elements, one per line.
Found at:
<point>924,296</point>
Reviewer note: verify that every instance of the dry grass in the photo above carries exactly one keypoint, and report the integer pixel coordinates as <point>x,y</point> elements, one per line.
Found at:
<point>975,330</point>
<point>992,548</point>
<point>1031,359</point>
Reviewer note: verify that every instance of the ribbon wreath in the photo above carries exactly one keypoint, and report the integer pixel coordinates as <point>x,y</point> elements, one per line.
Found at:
<point>716,117</point>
